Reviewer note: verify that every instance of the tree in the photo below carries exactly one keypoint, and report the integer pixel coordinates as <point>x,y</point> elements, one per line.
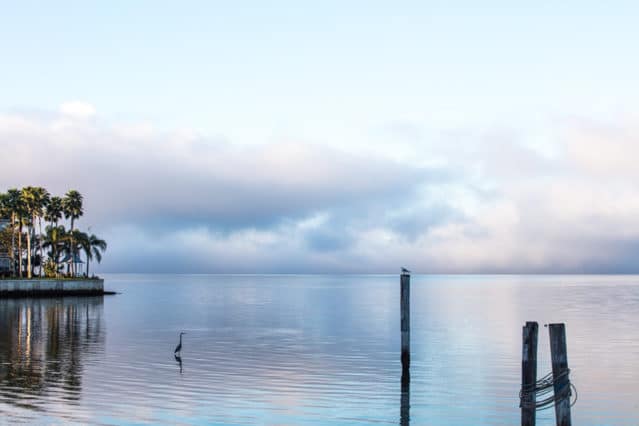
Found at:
<point>21,220</point>
<point>35,200</point>
<point>5,239</point>
<point>52,215</point>
<point>5,231</point>
<point>41,198</point>
<point>12,204</point>
<point>54,211</point>
<point>26,208</point>
<point>96,247</point>
<point>28,198</point>
<point>72,208</point>
<point>56,238</point>
<point>80,241</point>
<point>4,212</point>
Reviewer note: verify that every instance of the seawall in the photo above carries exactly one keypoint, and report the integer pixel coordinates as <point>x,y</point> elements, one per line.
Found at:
<point>51,287</point>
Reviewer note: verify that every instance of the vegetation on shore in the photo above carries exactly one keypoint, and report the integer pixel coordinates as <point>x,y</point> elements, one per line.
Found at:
<point>23,239</point>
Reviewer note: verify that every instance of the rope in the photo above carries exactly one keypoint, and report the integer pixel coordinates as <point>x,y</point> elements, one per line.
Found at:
<point>544,389</point>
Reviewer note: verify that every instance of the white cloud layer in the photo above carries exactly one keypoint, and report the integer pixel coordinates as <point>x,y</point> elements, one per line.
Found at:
<point>77,109</point>
<point>181,202</point>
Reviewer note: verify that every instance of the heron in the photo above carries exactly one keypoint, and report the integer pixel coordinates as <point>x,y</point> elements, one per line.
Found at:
<point>405,271</point>
<point>178,348</point>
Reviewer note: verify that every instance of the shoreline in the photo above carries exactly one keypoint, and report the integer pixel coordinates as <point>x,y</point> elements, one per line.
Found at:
<point>21,288</point>
<point>21,294</point>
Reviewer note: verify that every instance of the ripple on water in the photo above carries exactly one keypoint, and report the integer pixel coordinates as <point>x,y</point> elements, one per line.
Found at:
<point>313,350</point>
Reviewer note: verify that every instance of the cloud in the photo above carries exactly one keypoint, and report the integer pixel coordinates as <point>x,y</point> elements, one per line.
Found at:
<point>602,151</point>
<point>173,179</point>
<point>526,208</point>
<point>203,196</point>
<point>499,200</point>
<point>77,109</point>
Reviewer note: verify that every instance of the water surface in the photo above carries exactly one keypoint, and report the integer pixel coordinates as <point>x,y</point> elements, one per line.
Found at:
<point>314,350</point>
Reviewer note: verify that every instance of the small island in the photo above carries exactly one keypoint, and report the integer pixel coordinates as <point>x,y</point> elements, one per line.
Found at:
<point>42,252</point>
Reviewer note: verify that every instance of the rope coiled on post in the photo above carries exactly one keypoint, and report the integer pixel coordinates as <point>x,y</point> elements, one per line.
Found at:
<point>544,389</point>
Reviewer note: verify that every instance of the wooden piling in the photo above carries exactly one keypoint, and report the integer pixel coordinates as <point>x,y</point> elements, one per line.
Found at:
<point>405,323</point>
<point>559,356</point>
<point>529,373</point>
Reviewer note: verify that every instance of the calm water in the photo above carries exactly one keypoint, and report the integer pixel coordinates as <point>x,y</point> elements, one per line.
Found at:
<point>314,350</point>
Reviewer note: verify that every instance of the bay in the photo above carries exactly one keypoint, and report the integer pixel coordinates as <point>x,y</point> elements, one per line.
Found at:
<point>314,350</point>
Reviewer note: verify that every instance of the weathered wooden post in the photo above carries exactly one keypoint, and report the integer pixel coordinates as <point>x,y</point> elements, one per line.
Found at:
<point>529,373</point>
<point>560,371</point>
<point>405,322</point>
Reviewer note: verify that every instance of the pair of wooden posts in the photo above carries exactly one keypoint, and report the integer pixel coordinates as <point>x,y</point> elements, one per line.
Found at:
<point>558,353</point>
<point>561,380</point>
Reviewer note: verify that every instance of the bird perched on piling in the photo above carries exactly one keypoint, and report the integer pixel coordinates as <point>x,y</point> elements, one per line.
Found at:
<point>405,271</point>
<point>178,348</point>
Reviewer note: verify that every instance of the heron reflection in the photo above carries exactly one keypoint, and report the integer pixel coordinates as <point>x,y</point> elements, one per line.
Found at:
<point>179,361</point>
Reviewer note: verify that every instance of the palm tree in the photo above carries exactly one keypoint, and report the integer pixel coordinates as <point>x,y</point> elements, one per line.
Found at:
<point>28,197</point>
<point>52,215</point>
<point>96,247</point>
<point>23,221</point>
<point>21,217</point>
<point>26,208</point>
<point>12,204</point>
<point>55,238</point>
<point>3,207</point>
<point>41,198</point>
<point>77,241</point>
<point>72,208</point>
<point>5,213</point>
<point>54,211</point>
<point>35,200</point>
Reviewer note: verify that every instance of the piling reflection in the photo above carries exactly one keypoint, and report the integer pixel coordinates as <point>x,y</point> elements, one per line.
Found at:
<point>44,344</point>
<point>404,411</point>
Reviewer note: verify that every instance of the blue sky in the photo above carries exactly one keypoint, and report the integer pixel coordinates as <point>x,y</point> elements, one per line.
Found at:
<point>332,136</point>
<point>215,66</point>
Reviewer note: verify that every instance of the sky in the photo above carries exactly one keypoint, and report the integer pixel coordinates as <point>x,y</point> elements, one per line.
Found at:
<point>332,137</point>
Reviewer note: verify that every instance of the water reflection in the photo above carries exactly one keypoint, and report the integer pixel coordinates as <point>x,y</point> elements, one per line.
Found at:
<point>404,412</point>
<point>178,359</point>
<point>43,346</point>
<point>311,350</point>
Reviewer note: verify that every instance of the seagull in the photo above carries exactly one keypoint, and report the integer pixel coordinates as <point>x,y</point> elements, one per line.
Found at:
<point>405,271</point>
<point>178,348</point>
